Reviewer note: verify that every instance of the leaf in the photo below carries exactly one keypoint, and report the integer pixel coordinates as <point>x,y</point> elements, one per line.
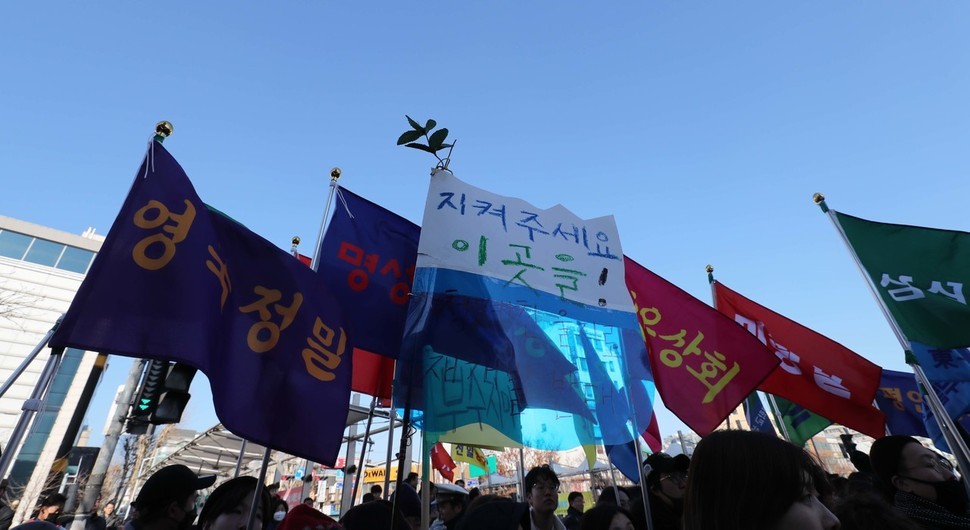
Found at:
<point>437,139</point>
<point>415,124</point>
<point>421,147</point>
<point>430,125</point>
<point>408,136</point>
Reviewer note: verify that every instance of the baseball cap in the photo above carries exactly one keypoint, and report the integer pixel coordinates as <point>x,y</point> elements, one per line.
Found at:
<point>170,483</point>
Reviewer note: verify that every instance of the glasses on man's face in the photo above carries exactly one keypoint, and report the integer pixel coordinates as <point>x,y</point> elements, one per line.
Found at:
<point>679,478</point>
<point>546,488</point>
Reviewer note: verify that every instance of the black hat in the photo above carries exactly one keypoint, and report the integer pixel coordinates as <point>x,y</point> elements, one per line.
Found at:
<point>660,463</point>
<point>885,454</point>
<point>168,484</point>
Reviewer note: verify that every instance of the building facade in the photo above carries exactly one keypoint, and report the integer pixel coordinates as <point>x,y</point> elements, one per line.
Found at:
<point>40,272</point>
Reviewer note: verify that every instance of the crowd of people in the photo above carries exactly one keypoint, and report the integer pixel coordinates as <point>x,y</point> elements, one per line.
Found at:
<point>735,480</point>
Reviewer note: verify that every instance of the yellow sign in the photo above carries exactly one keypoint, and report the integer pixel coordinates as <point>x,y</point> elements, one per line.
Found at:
<point>376,474</point>
<point>469,453</point>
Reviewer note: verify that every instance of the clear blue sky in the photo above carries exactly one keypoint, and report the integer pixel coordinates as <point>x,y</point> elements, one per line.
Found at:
<point>703,127</point>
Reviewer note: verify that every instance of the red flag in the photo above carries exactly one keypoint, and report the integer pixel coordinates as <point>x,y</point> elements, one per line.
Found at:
<point>703,363</point>
<point>441,460</point>
<point>815,372</point>
<point>372,374</point>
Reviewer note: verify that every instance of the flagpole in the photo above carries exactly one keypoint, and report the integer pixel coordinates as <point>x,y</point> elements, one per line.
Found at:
<point>390,451</point>
<point>29,359</point>
<point>947,427</point>
<point>315,259</point>
<point>34,403</point>
<point>645,494</point>
<point>363,450</point>
<point>778,416</point>
<point>616,490</point>
<point>522,491</point>
<point>259,490</point>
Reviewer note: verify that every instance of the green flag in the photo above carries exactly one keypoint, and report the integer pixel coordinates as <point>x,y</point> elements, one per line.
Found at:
<point>920,274</point>
<point>799,422</point>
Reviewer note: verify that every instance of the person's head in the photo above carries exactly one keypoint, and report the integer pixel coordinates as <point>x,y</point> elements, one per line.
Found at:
<point>412,480</point>
<point>51,507</point>
<point>868,511</point>
<point>473,494</point>
<point>167,500</point>
<point>616,497</point>
<point>302,517</point>
<point>279,509</point>
<point>109,508</point>
<point>451,500</point>
<point>576,500</point>
<point>606,517</point>
<point>460,483</point>
<point>228,507</point>
<point>667,477</point>
<point>308,501</point>
<point>743,480</point>
<point>409,505</point>
<point>376,490</point>
<point>903,464</point>
<point>542,489</point>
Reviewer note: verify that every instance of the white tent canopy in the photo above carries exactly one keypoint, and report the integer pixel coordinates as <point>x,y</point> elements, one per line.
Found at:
<point>216,451</point>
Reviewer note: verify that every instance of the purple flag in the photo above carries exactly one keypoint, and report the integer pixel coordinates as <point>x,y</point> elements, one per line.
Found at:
<point>368,257</point>
<point>176,280</point>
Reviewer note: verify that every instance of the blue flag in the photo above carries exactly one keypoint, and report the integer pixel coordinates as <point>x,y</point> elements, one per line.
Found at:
<point>757,416</point>
<point>955,397</point>
<point>368,257</point>
<point>176,280</point>
<point>900,400</point>
<point>941,364</point>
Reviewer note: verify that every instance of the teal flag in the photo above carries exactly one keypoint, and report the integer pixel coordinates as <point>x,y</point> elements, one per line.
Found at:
<point>920,274</point>
<point>800,423</point>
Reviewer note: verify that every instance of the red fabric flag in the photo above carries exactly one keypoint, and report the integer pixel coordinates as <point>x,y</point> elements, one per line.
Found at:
<point>703,363</point>
<point>652,435</point>
<point>372,374</point>
<point>815,372</point>
<point>441,460</point>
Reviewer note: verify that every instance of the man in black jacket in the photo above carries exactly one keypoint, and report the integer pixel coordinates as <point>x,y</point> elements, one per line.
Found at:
<point>574,514</point>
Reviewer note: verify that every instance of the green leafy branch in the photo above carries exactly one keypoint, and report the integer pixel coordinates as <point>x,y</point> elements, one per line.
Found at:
<point>436,139</point>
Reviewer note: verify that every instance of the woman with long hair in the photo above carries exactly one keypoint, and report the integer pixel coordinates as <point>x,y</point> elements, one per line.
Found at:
<point>743,480</point>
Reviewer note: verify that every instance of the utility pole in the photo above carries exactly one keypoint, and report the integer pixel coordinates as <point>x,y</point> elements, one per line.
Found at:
<point>93,488</point>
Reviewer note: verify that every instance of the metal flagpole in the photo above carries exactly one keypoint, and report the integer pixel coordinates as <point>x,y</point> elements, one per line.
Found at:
<point>778,417</point>
<point>34,403</point>
<point>363,450</point>
<point>947,427</point>
<point>390,452</point>
<point>93,488</point>
<point>522,492</point>
<point>29,359</point>
<point>644,487</point>
<point>616,490</point>
<point>250,523</point>
<point>239,461</point>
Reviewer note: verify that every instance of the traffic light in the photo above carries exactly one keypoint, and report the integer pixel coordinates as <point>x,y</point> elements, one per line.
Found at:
<point>175,395</point>
<point>151,389</point>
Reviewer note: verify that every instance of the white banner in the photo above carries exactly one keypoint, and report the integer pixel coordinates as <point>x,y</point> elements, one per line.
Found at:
<point>550,250</point>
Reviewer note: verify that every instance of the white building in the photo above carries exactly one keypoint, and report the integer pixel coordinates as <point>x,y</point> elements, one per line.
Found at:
<point>40,272</point>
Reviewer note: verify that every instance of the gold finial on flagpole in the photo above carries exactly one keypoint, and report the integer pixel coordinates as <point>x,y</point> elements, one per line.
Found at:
<point>335,173</point>
<point>818,198</point>
<point>163,130</point>
<point>709,268</point>
<point>296,241</point>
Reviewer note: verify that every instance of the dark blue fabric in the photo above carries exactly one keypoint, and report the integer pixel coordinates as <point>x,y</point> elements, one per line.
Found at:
<point>177,281</point>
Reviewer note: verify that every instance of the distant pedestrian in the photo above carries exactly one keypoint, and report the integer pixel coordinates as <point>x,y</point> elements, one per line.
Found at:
<point>574,513</point>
